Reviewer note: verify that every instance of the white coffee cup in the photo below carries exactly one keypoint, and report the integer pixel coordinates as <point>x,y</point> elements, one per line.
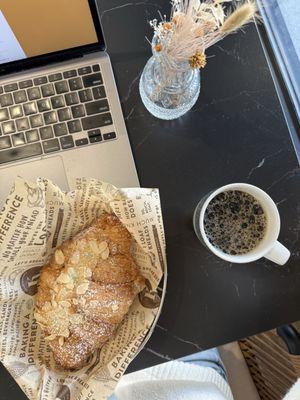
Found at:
<point>269,247</point>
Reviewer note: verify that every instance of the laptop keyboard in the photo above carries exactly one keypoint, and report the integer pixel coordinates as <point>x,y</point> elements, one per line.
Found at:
<point>53,113</point>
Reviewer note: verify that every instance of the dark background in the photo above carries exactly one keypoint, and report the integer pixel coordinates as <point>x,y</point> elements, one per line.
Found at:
<point>235,133</point>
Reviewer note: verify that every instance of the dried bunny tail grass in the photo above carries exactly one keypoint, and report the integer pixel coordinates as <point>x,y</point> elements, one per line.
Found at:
<point>241,16</point>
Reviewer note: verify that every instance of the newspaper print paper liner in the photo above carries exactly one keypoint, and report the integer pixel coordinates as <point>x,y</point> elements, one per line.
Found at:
<point>35,219</point>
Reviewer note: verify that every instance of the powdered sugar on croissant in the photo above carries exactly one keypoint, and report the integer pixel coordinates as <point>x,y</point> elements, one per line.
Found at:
<point>86,290</point>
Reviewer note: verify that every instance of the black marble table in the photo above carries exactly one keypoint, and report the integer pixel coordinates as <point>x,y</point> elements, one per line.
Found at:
<point>236,132</point>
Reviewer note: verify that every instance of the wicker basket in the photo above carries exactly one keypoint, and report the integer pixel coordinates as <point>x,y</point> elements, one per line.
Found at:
<point>274,370</point>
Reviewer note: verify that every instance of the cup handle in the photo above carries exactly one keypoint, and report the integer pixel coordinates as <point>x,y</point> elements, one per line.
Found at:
<point>278,254</point>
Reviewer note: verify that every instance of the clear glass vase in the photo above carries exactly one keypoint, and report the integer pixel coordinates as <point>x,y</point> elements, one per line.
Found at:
<point>168,88</point>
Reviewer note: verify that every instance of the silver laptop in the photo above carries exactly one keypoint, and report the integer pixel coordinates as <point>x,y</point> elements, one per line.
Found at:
<point>60,114</point>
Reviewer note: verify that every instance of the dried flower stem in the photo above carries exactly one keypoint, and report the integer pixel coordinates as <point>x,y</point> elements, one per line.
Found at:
<point>240,17</point>
<point>196,25</point>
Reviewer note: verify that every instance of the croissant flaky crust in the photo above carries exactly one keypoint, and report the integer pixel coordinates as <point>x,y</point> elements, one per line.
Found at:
<point>86,290</point>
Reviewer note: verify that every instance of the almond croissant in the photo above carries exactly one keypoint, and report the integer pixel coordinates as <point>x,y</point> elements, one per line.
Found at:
<point>86,290</point>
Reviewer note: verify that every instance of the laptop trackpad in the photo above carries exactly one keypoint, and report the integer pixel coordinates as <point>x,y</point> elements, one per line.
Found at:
<point>51,168</point>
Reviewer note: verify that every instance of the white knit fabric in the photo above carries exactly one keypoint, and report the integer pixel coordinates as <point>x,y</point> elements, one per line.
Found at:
<point>174,380</point>
<point>294,393</point>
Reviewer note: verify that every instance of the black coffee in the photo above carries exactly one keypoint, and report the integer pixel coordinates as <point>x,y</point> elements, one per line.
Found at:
<point>234,222</point>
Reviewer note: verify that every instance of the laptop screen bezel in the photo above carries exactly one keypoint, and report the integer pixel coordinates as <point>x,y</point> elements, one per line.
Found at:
<point>61,55</point>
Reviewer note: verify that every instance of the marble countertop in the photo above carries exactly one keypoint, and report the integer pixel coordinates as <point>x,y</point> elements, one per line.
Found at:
<point>236,132</point>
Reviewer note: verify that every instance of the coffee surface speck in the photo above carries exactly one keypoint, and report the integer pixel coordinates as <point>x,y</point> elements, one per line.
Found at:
<point>234,222</point>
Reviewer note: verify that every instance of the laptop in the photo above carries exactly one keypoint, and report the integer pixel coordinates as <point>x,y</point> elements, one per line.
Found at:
<point>60,114</point>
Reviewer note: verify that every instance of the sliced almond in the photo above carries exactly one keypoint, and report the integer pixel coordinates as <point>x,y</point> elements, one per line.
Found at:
<point>63,292</point>
<point>88,272</point>
<point>81,289</point>
<point>72,272</point>
<point>65,333</point>
<point>95,248</point>
<point>56,288</point>
<point>59,257</point>
<point>47,306</point>
<point>76,319</point>
<point>115,307</point>
<point>82,302</point>
<point>40,318</point>
<point>50,337</point>
<point>64,278</point>
<point>102,246</point>
<point>75,301</point>
<point>75,258</point>
<point>61,340</point>
<point>70,286</point>
<point>54,304</point>
<point>64,304</point>
<point>105,254</point>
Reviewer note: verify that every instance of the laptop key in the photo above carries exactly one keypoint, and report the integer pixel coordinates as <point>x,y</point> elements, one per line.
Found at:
<point>32,136</point>
<point>16,111</point>
<point>40,80</point>
<point>4,114</point>
<point>75,84</point>
<point>44,105</point>
<point>1,89</point>
<point>74,126</point>
<point>20,96</point>
<point>96,139</point>
<point>29,108</point>
<point>30,150</point>
<point>92,80</point>
<point>84,70</point>
<point>34,93</point>
<point>95,135</point>
<point>6,100</point>
<point>66,142</point>
<point>71,98</point>
<point>22,124</point>
<point>51,145</point>
<point>55,77</point>
<point>78,111</point>
<point>50,117</point>
<point>81,142</point>
<point>60,129</point>
<point>64,114</point>
<point>94,132</point>
<point>25,84</point>
<point>97,107</point>
<point>46,132</point>
<point>96,68</point>
<point>61,87</point>
<point>70,74</point>
<point>8,127</point>
<point>109,136</point>
<point>48,90</point>
<point>58,101</point>
<point>99,92</point>
<point>96,121</point>
<point>85,95</point>
<point>18,139</point>
<point>5,142</point>
<point>10,87</point>
<point>36,120</point>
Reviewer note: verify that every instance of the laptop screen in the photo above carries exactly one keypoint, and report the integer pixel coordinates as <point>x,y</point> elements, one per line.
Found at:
<point>30,28</point>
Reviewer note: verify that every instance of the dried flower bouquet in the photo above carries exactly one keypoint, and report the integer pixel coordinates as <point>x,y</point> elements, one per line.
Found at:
<point>195,25</point>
